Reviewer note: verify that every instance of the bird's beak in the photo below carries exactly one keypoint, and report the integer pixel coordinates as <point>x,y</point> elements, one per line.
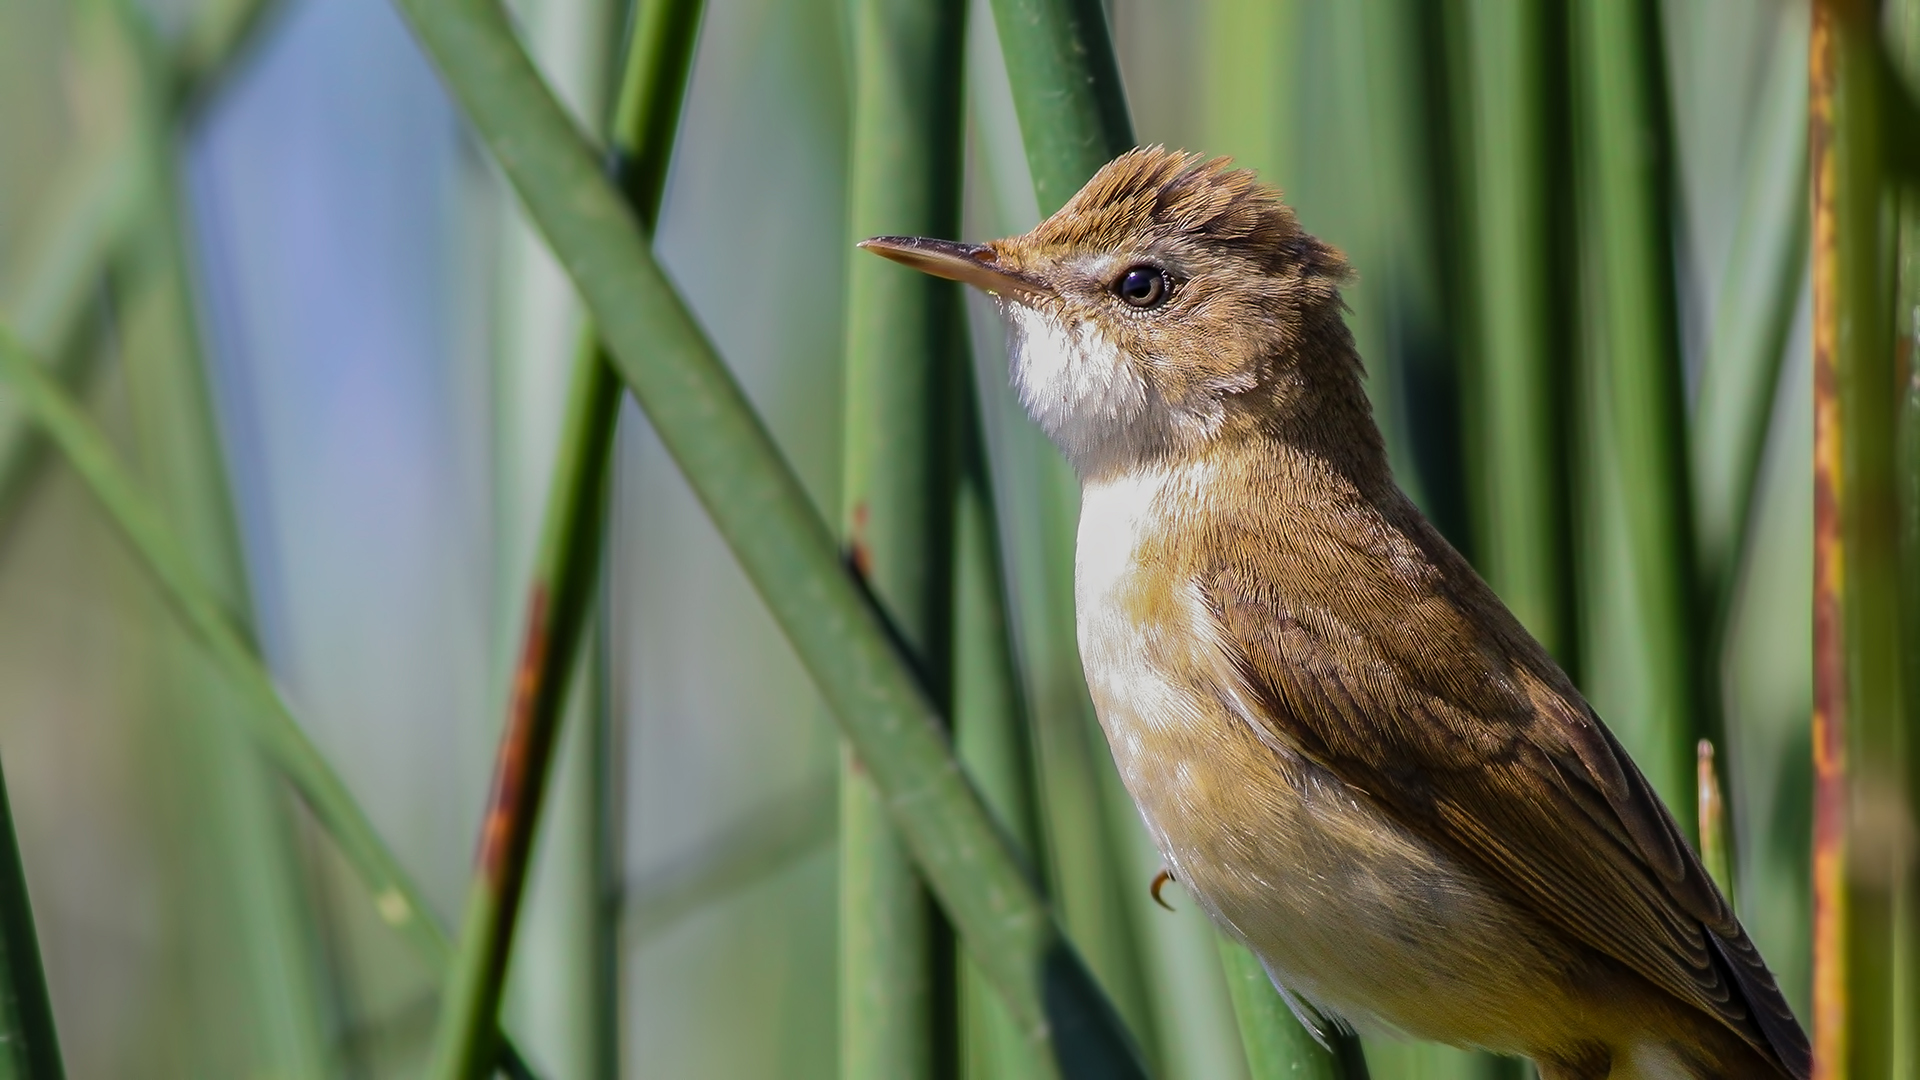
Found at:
<point>974,264</point>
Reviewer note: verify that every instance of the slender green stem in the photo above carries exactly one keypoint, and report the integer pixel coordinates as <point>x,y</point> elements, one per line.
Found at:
<point>239,816</point>
<point>29,1046</point>
<point>904,363</point>
<point>991,733</point>
<point>561,994</point>
<point>269,722</point>
<point>657,58</point>
<point>1857,645</point>
<point>1903,35</point>
<point>239,813</point>
<point>785,549</point>
<point>1621,91</point>
<point>46,295</point>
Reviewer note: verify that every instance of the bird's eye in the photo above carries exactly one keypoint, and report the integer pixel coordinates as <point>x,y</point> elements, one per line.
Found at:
<point>1143,286</point>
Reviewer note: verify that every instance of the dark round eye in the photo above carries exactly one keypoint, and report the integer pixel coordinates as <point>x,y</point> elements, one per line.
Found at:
<point>1143,286</point>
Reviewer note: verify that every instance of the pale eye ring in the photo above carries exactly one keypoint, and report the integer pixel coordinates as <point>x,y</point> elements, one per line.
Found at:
<point>1143,286</point>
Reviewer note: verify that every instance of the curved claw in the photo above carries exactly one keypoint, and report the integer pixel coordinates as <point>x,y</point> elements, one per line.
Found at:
<point>1159,882</point>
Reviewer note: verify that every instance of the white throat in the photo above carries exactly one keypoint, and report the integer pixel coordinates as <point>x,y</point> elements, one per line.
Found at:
<point>1079,388</point>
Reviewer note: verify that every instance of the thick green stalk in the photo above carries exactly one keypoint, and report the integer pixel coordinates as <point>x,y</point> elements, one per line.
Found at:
<point>29,1046</point>
<point>904,364</point>
<point>783,546</point>
<point>1277,1045</point>
<point>1066,90</point>
<point>1857,646</point>
<point>1416,285</point>
<point>1623,130</point>
<point>654,68</point>
<point>1519,403</point>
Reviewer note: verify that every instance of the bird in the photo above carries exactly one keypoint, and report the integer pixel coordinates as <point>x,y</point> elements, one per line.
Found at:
<point>1345,746</point>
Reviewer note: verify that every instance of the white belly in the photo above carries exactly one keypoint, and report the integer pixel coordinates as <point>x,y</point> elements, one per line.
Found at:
<point>1344,906</point>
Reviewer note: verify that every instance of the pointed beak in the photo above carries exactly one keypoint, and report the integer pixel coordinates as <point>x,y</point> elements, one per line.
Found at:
<point>973,264</point>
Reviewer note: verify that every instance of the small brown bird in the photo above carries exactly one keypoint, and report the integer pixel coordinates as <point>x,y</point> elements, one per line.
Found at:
<point>1346,747</point>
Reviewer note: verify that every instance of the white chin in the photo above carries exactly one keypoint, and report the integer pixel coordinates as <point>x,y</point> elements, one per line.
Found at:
<point>1076,385</point>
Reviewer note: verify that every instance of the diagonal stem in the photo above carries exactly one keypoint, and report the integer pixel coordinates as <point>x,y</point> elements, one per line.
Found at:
<point>270,722</point>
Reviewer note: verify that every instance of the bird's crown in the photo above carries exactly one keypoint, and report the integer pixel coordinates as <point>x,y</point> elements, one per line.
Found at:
<point>1154,196</point>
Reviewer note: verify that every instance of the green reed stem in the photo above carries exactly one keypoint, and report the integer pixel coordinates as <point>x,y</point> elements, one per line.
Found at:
<point>1277,1045</point>
<point>1903,37</point>
<point>658,55</point>
<point>992,737</point>
<point>46,295</point>
<point>562,988</point>
<point>905,364</point>
<point>29,1046</point>
<point>238,811</point>
<point>786,550</point>
<point>1857,579</point>
<point>269,722</point>
<point>1066,90</point>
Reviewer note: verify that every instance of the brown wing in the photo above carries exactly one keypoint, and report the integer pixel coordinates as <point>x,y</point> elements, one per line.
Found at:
<point>1492,759</point>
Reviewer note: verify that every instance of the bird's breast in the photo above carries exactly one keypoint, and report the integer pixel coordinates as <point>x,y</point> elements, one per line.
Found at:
<point>1314,875</point>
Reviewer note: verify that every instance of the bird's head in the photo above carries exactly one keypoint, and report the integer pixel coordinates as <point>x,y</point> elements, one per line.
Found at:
<point>1169,303</point>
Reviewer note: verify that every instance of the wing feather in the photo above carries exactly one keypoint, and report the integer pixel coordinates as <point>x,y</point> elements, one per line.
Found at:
<point>1491,760</point>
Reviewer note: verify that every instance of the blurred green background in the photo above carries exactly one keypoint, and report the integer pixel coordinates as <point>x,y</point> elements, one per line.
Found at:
<point>386,345</point>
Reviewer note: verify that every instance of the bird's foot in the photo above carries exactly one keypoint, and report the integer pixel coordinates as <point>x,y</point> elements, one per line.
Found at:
<point>1159,882</point>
